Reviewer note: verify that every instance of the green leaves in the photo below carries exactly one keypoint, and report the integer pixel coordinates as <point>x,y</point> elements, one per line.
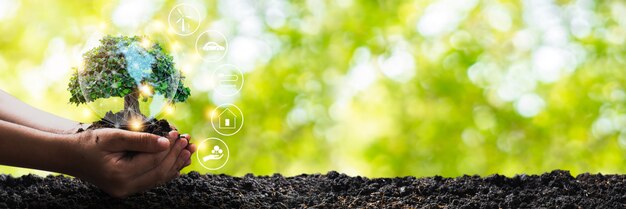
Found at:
<point>106,71</point>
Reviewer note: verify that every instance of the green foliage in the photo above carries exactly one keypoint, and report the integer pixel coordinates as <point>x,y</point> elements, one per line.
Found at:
<point>106,72</point>
<point>310,106</point>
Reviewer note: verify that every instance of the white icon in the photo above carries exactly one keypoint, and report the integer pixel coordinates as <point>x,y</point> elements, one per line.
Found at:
<point>229,80</point>
<point>212,46</point>
<point>184,19</point>
<point>227,119</point>
<point>213,153</point>
<point>181,21</point>
<point>216,154</point>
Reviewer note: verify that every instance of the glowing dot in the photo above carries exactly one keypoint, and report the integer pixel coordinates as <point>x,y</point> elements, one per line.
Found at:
<point>145,90</point>
<point>209,113</point>
<point>103,26</point>
<point>169,109</point>
<point>135,125</point>
<point>86,113</point>
<point>175,46</point>
<point>186,68</point>
<point>159,25</point>
<point>145,43</point>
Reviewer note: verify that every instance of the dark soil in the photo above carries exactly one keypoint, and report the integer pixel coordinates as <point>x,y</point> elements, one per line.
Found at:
<point>153,126</point>
<point>557,189</point>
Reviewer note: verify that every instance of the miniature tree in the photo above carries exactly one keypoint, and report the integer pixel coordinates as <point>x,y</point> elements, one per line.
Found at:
<point>120,67</point>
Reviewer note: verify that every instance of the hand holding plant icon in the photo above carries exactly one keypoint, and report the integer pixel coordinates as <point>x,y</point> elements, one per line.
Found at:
<point>216,154</point>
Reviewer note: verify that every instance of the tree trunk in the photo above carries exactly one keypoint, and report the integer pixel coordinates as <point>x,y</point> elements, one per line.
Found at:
<point>131,106</point>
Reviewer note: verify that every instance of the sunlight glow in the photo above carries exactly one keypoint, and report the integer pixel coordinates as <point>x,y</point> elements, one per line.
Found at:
<point>176,46</point>
<point>135,124</point>
<point>146,43</point>
<point>208,113</point>
<point>146,90</point>
<point>169,109</point>
<point>186,68</point>
<point>159,25</point>
<point>86,113</point>
<point>8,8</point>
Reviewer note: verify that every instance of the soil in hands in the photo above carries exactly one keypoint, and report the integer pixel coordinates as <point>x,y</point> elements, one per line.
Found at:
<point>557,189</point>
<point>153,126</point>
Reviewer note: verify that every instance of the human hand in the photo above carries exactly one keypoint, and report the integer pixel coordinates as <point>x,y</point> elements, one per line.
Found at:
<point>191,147</point>
<point>103,159</point>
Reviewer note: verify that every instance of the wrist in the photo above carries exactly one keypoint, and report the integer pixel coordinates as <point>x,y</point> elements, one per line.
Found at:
<point>65,151</point>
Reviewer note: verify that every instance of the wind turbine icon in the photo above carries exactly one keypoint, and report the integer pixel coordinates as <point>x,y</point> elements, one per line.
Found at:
<point>181,20</point>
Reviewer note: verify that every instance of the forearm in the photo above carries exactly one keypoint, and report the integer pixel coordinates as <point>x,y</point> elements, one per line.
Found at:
<point>15,111</point>
<point>30,148</point>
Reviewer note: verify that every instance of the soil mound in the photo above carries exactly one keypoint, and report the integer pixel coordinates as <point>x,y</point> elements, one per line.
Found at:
<point>557,189</point>
<point>153,126</point>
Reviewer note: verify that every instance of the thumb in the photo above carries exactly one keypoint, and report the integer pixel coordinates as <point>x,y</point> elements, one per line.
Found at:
<point>137,141</point>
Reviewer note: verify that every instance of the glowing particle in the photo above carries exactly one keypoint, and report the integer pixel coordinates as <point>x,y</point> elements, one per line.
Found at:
<point>145,43</point>
<point>86,113</point>
<point>135,125</point>
<point>145,90</point>
<point>209,113</point>
<point>103,26</point>
<point>175,46</point>
<point>169,109</point>
<point>159,25</point>
<point>186,68</point>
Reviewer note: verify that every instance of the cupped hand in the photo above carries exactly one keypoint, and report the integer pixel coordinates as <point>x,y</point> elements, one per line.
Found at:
<point>104,160</point>
<point>191,147</point>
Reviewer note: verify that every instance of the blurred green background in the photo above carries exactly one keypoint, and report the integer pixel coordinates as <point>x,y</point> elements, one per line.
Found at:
<point>374,88</point>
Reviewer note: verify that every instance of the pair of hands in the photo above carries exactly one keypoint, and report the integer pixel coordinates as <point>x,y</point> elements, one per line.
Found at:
<point>103,159</point>
<point>33,138</point>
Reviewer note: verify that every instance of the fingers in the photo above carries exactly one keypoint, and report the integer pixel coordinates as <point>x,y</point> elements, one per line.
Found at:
<point>192,148</point>
<point>180,162</point>
<point>173,136</point>
<point>186,160</point>
<point>161,173</point>
<point>144,162</point>
<point>120,140</point>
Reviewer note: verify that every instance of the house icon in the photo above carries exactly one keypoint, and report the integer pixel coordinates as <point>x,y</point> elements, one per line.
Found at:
<point>227,119</point>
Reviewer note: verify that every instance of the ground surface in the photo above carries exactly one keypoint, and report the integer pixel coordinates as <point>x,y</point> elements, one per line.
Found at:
<point>153,126</point>
<point>333,190</point>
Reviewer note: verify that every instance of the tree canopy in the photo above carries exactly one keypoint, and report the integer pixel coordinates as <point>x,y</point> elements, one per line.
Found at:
<point>120,65</point>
